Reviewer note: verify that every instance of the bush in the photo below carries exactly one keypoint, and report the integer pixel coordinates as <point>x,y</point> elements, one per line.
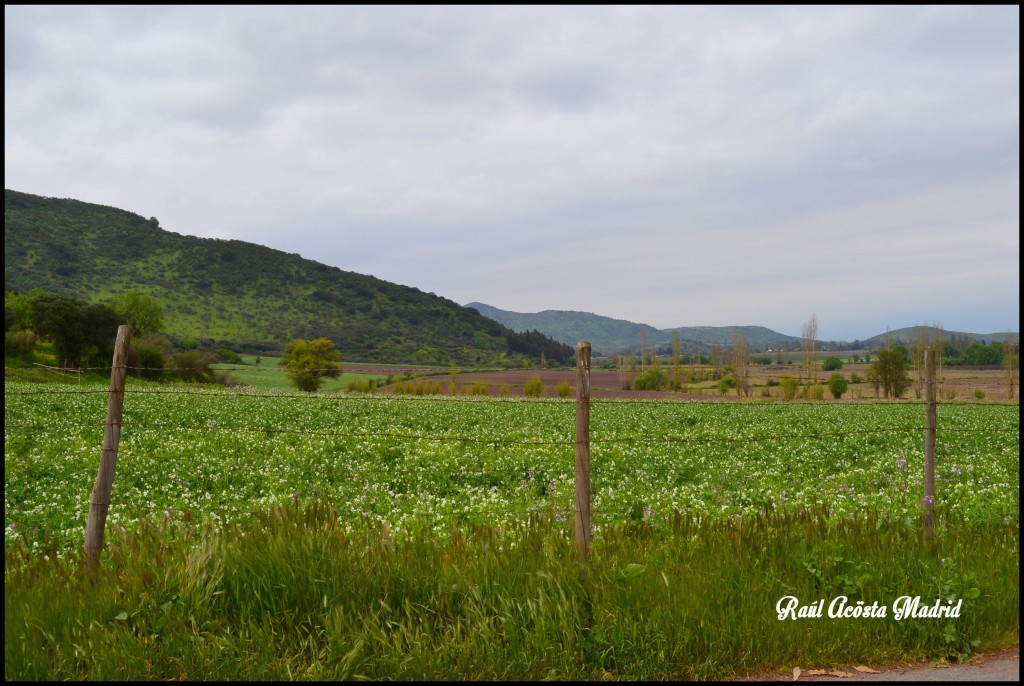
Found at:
<point>816,392</point>
<point>979,394</point>
<point>950,393</point>
<point>837,384</point>
<point>20,344</point>
<point>831,364</point>
<point>654,379</point>
<point>534,388</point>
<point>788,387</point>
<point>193,366</point>
<point>148,362</point>
<point>229,356</point>
<point>563,389</point>
<point>725,384</point>
<point>856,378</point>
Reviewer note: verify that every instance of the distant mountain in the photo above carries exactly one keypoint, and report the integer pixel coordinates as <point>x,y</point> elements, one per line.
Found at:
<point>247,295</point>
<point>608,336</point>
<point>906,336</point>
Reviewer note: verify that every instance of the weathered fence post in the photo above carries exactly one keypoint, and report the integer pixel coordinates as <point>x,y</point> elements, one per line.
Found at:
<point>99,502</point>
<point>583,446</point>
<point>929,445</point>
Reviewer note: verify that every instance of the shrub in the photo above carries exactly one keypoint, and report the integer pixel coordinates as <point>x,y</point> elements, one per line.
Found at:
<point>831,364</point>
<point>856,378</point>
<point>309,362</point>
<point>654,379</point>
<point>147,360</point>
<point>950,393</point>
<point>979,394</point>
<point>534,388</point>
<point>563,389</point>
<point>816,392</point>
<point>20,344</point>
<point>229,356</point>
<point>725,384</point>
<point>193,366</point>
<point>837,384</point>
<point>788,387</point>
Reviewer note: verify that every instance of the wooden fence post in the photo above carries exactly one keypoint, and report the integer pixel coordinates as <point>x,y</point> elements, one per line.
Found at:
<point>99,502</point>
<point>583,446</point>
<point>929,445</point>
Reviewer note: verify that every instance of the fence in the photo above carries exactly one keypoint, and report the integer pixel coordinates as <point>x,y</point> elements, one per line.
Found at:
<point>581,443</point>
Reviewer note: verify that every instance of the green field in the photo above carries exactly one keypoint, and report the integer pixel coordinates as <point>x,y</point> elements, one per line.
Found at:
<point>263,534</point>
<point>270,374</point>
<point>406,462</point>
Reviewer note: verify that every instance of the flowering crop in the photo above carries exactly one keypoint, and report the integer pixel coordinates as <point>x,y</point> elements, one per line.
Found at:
<point>414,463</point>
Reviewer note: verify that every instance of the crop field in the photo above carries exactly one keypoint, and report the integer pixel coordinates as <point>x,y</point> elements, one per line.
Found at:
<point>263,535</point>
<point>414,463</point>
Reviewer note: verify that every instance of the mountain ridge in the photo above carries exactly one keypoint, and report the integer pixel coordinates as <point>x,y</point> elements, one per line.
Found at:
<point>624,335</point>
<point>234,292</point>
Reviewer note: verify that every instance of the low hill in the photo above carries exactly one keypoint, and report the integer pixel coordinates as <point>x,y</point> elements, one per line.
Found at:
<point>609,336</point>
<point>906,336</point>
<point>238,293</point>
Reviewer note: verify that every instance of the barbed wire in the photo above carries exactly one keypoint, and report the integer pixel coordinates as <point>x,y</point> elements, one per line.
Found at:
<point>251,392</point>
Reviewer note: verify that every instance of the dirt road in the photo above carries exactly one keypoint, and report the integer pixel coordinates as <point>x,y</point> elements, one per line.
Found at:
<point>1003,665</point>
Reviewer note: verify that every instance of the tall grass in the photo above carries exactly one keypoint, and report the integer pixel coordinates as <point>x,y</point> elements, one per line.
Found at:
<point>294,593</point>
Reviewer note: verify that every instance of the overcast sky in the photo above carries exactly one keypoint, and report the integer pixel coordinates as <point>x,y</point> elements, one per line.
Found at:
<point>677,166</point>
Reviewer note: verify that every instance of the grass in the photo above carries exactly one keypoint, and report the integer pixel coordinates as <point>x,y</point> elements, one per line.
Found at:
<point>295,594</point>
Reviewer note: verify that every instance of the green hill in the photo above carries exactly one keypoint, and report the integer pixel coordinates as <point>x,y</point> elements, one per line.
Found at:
<point>609,336</point>
<point>229,292</point>
<point>906,336</point>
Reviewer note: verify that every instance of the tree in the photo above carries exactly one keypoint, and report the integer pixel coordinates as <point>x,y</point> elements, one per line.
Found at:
<point>831,364</point>
<point>308,363</point>
<point>717,360</point>
<point>808,343</point>
<point>890,371</point>
<point>676,358</point>
<point>643,349</point>
<point>140,311</point>
<point>78,330</point>
<point>837,383</point>
<point>741,363</point>
<point>920,342</point>
<point>1011,363</point>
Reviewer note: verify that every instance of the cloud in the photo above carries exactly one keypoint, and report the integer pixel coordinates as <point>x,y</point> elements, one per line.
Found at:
<point>484,153</point>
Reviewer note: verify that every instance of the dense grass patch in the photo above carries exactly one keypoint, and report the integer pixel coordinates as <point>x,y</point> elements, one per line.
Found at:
<point>294,593</point>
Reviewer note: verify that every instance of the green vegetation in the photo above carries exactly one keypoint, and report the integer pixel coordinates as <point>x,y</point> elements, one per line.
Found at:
<point>140,311</point>
<point>308,363</point>
<point>838,384</point>
<point>609,336</point>
<point>831,364</point>
<point>653,379</point>
<point>534,388</point>
<point>788,387</point>
<point>298,593</point>
<point>240,295</point>
<point>889,371</point>
<point>451,556</point>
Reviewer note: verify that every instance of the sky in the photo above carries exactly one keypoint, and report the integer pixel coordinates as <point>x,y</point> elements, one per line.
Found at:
<point>675,166</point>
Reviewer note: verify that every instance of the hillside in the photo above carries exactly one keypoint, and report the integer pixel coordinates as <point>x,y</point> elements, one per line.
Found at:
<point>906,336</point>
<point>609,336</point>
<point>233,292</point>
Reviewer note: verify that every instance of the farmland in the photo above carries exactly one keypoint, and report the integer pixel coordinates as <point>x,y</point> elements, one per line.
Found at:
<point>407,462</point>
<point>259,534</point>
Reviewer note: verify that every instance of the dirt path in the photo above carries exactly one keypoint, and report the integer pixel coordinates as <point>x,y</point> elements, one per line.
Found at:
<point>1003,665</point>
